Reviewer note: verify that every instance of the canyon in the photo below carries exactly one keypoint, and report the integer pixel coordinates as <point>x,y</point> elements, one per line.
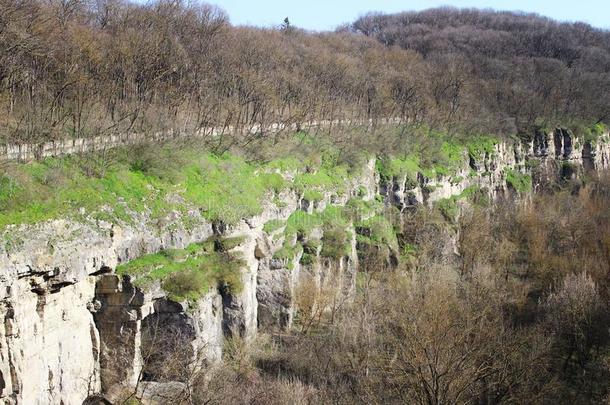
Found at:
<point>74,329</point>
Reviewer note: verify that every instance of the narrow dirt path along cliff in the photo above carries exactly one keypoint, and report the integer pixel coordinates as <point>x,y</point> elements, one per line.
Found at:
<point>83,297</point>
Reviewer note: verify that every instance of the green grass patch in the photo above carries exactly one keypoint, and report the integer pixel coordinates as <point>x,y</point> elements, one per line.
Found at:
<point>594,132</point>
<point>313,195</point>
<point>448,207</point>
<point>333,221</point>
<point>186,274</point>
<point>334,216</point>
<point>357,208</point>
<point>446,161</point>
<point>453,153</point>
<point>377,231</point>
<point>480,146</point>
<point>392,167</point>
<point>434,155</point>
<point>273,225</point>
<point>113,187</point>
<point>324,179</point>
<point>56,188</point>
<point>300,223</point>
<point>586,132</point>
<point>520,182</point>
<point>599,129</point>
<point>272,181</point>
<point>227,188</point>
<point>287,252</point>
<point>285,164</point>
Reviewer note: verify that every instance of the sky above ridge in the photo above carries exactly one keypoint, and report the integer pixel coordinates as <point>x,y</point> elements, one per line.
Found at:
<point>322,15</point>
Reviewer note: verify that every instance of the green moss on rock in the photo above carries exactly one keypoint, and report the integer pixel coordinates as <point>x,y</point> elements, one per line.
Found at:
<point>377,231</point>
<point>186,274</point>
<point>273,225</point>
<point>520,182</point>
<point>481,146</point>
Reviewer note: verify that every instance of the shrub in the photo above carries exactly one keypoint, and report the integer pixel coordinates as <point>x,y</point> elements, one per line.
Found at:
<point>312,245</point>
<point>199,264</point>
<point>378,231</point>
<point>481,146</point>
<point>335,243</point>
<point>520,182</point>
<point>186,285</point>
<point>313,195</point>
<point>307,259</point>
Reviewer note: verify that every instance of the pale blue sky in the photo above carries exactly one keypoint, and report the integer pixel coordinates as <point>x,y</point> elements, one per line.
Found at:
<point>327,14</point>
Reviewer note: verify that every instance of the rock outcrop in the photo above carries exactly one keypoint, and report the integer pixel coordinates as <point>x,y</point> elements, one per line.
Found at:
<point>72,329</point>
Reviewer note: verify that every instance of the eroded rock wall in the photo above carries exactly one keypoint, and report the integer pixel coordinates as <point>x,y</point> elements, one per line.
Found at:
<point>66,318</point>
<point>49,342</point>
<point>547,158</point>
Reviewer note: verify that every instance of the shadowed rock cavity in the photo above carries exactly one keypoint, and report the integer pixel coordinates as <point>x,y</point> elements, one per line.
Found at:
<point>167,337</point>
<point>588,157</point>
<point>541,144</point>
<point>117,317</point>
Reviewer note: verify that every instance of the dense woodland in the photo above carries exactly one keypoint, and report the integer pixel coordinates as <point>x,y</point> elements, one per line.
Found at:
<point>90,67</point>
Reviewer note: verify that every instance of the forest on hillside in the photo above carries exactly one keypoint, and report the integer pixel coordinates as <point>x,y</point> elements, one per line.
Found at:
<point>78,68</point>
<point>497,291</point>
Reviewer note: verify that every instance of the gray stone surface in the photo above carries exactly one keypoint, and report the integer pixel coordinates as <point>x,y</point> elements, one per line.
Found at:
<point>66,318</point>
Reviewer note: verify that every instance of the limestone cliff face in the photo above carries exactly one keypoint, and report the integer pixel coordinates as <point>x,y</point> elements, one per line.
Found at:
<point>70,328</point>
<point>545,158</point>
<point>50,343</point>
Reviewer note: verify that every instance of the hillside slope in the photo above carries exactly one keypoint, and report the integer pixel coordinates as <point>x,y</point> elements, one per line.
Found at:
<point>113,67</point>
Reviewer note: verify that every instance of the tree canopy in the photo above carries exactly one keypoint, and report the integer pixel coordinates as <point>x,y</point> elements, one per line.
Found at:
<point>85,68</point>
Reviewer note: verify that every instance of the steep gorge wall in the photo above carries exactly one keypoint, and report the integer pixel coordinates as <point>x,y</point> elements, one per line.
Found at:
<point>71,328</point>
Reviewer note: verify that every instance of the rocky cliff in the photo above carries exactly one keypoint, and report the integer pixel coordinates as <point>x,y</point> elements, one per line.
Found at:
<point>74,328</point>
